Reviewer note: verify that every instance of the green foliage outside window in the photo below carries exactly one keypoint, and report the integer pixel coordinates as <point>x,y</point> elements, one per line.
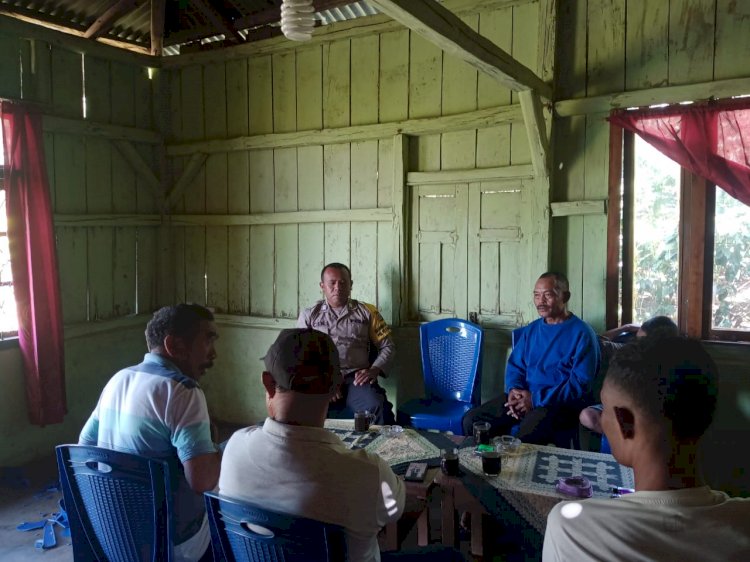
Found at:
<point>657,218</point>
<point>731,290</point>
<point>656,268</point>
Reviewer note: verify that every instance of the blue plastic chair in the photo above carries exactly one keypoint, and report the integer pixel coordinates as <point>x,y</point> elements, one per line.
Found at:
<point>244,532</point>
<point>452,365</point>
<point>119,504</point>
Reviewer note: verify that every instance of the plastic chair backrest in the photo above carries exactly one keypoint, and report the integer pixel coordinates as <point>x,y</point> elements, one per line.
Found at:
<point>244,532</point>
<point>451,359</point>
<point>119,504</point>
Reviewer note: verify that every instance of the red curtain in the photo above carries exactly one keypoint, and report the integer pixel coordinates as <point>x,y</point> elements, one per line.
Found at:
<point>711,140</point>
<point>34,264</point>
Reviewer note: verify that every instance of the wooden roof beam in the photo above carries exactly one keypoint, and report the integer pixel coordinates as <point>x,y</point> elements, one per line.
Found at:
<point>443,28</point>
<point>218,20</point>
<point>104,23</point>
<point>536,129</point>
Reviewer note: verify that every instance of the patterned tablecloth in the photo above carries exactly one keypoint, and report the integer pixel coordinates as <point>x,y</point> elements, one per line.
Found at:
<point>398,451</point>
<point>527,479</point>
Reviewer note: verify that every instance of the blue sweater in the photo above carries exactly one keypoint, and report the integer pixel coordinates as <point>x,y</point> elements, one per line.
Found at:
<point>556,362</point>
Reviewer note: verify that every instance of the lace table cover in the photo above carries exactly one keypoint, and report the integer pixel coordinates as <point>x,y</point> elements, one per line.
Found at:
<point>527,479</point>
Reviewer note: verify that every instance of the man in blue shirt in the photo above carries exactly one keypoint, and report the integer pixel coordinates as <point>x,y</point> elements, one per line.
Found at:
<point>158,409</point>
<point>549,374</point>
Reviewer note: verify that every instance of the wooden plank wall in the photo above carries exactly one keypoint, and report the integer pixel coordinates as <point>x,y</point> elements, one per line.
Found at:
<point>105,272</point>
<point>261,275</point>
<point>612,46</point>
<point>392,75</point>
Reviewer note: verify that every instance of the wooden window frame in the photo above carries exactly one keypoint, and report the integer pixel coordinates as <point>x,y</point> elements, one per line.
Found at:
<point>696,245</point>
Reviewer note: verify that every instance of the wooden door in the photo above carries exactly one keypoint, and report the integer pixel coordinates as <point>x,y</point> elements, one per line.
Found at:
<point>470,253</point>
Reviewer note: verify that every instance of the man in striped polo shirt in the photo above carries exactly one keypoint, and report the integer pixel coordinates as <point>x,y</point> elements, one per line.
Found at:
<point>158,409</point>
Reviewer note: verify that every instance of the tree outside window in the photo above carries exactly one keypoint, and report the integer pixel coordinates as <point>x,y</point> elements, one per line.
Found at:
<point>655,233</point>
<point>661,247</point>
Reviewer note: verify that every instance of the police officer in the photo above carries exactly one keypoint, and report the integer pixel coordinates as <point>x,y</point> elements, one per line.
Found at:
<point>354,327</point>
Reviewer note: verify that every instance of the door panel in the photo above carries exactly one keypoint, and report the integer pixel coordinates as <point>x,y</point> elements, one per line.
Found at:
<point>496,243</point>
<point>438,251</point>
<point>469,252</point>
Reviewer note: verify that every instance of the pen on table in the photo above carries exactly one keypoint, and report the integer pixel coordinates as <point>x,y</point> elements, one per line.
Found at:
<point>616,491</point>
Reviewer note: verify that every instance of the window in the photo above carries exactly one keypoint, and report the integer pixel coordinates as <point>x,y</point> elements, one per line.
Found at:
<point>678,246</point>
<point>8,318</point>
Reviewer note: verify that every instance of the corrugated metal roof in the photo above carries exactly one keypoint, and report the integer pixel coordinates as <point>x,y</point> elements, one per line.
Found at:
<point>348,12</point>
<point>184,23</point>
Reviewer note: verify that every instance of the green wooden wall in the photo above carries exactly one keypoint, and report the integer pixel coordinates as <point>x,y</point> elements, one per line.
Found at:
<point>352,76</point>
<point>609,46</point>
<point>263,272</point>
<point>106,272</point>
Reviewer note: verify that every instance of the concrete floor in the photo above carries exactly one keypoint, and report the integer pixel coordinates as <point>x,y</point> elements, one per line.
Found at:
<point>24,497</point>
<point>27,494</point>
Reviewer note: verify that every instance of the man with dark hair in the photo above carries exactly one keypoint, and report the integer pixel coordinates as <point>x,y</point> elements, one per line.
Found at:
<point>292,465</point>
<point>357,329</point>
<point>157,409</point>
<point>658,326</point>
<point>659,397</point>
<point>549,373</point>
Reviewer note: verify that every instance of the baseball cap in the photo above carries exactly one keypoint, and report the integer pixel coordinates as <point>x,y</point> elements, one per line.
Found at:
<point>293,353</point>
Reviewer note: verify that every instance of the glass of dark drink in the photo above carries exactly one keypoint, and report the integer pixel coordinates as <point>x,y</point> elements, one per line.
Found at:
<point>491,462</point>
<point>481,433</point>
<point>449,462</point>
<point>362,420</point>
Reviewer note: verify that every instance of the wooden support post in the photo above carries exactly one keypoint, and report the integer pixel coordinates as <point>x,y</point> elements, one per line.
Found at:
<point>613,229</point>
<point>628,217</point>
<point>157,27</point>
<point>400,220</point>
<point>694,200</point>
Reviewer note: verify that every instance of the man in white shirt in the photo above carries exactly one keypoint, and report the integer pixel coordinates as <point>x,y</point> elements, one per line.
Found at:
<point>659,398</point>
<point>293,465</point>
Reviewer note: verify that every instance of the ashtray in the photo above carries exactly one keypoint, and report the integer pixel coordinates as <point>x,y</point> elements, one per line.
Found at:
<point>507,444</point>
<point>391,430</point>
<point>575,486</point>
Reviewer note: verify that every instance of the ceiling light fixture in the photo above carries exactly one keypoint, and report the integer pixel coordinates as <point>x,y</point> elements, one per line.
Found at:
<point>297,19</point>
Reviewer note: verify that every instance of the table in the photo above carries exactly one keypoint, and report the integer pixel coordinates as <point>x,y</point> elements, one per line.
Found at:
<point>398,451</point>
<point>520,498</point>
<point>524,493</point>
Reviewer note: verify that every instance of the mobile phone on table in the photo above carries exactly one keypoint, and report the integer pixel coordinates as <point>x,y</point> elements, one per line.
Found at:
<point>416,472</point>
